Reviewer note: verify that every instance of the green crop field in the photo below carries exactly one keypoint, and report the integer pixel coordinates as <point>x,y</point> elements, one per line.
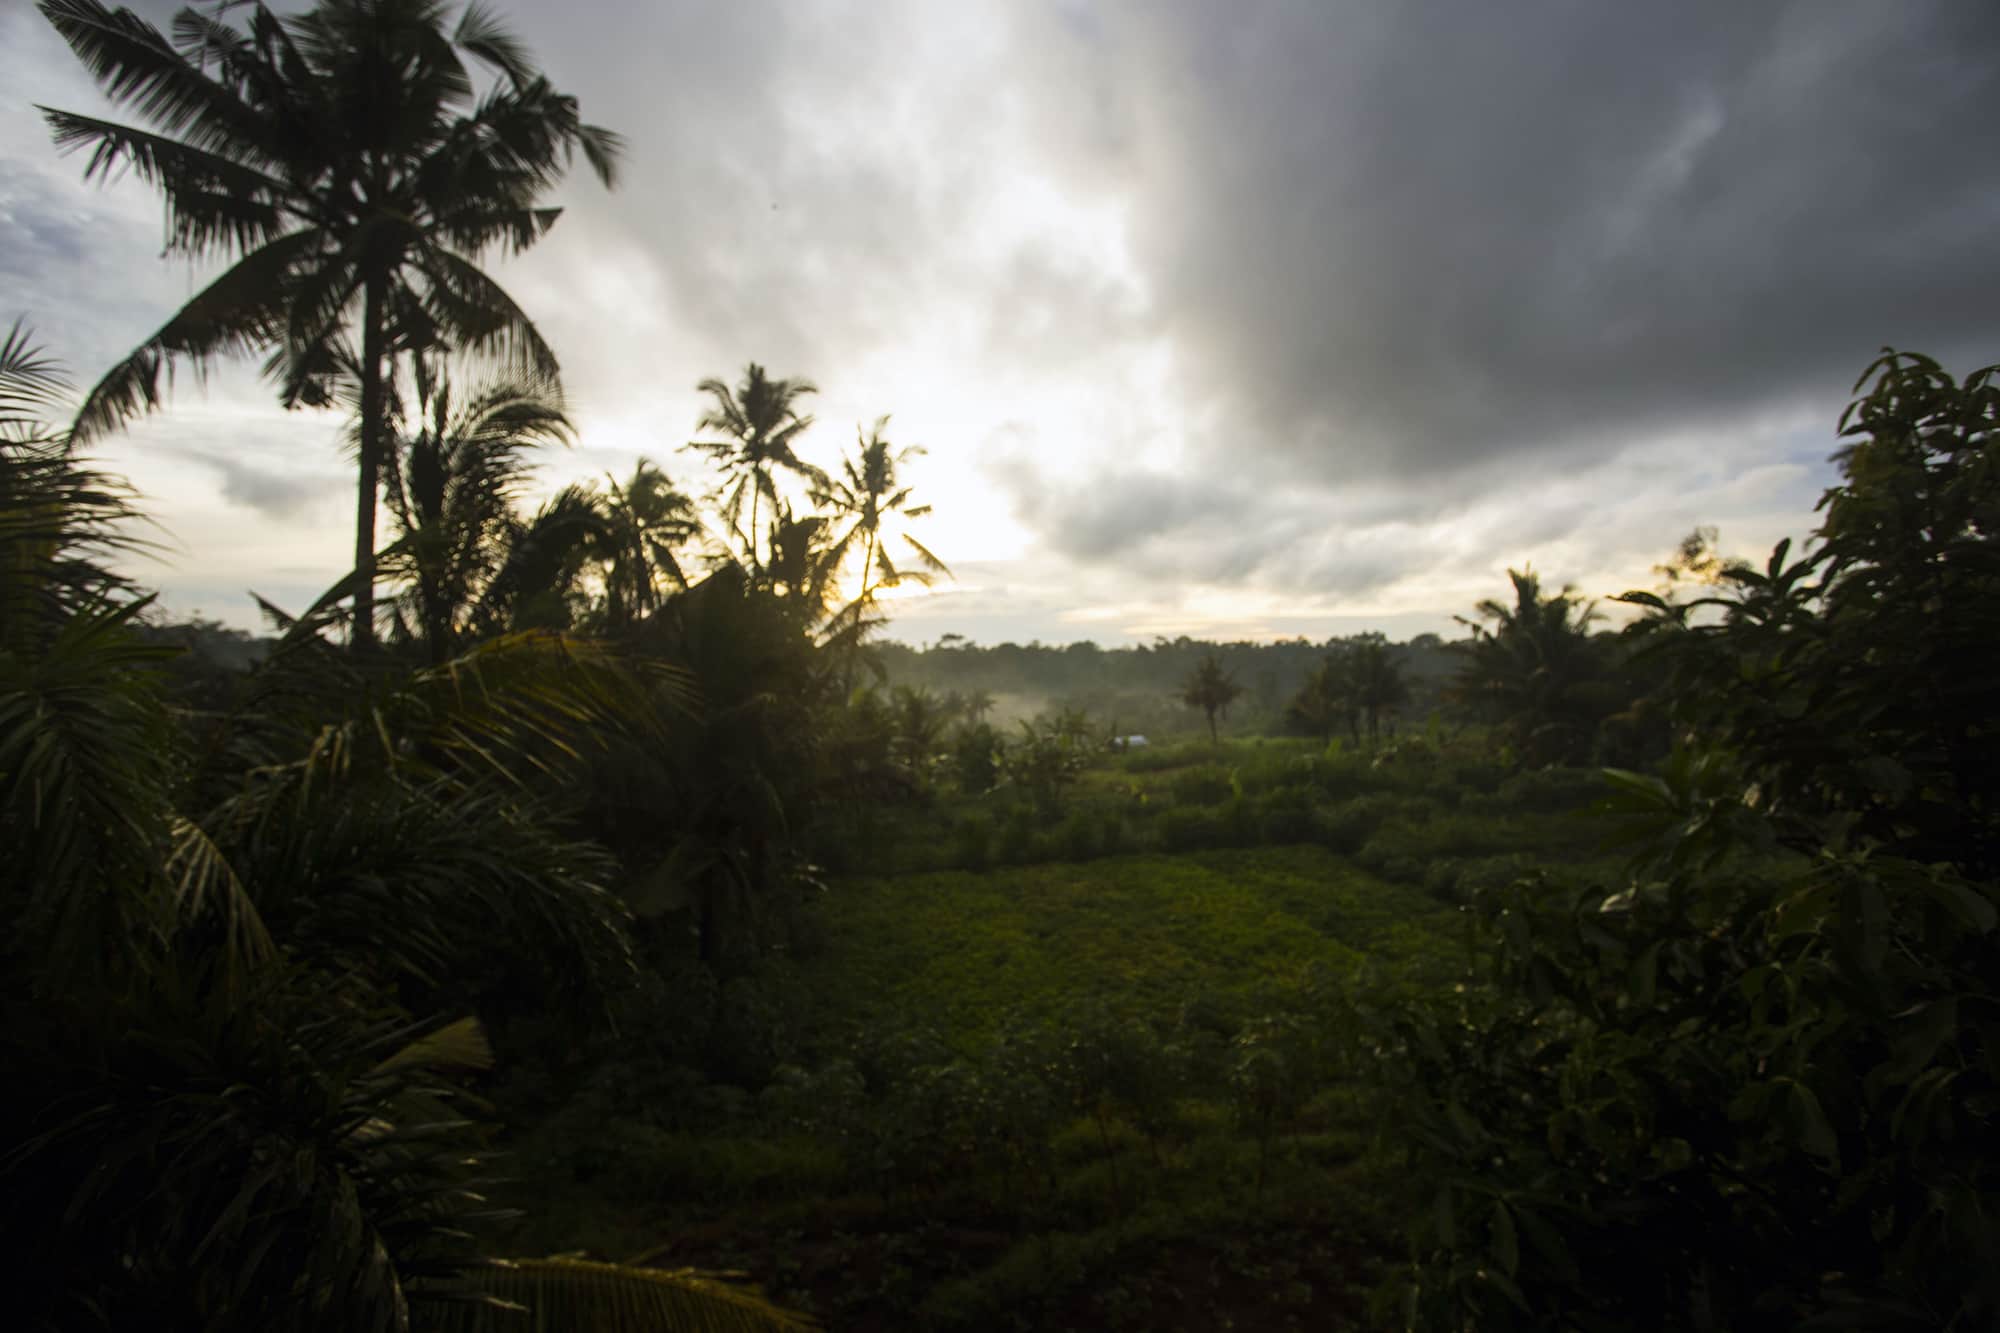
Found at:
<point>964,951</point>
<point>1029,1093</point>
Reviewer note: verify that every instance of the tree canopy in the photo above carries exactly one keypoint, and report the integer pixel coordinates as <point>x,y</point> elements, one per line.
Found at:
<point>347,165</point>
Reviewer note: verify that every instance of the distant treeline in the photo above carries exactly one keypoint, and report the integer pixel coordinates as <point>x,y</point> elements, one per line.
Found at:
<point>1138,688</point>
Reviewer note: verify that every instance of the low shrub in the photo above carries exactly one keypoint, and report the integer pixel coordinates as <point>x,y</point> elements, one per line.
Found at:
<point>1285,815</point>
<point>972,843</point>
<point>1210,784</point>
<point>1016,843</point>
<point>1190,829</point>
<point>1080,837</point>
<point>1346,828</point>
<point>1552,790</point>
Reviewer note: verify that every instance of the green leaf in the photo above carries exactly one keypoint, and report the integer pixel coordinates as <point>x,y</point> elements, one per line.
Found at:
<point>1967,905</point>
<point>1645,972</point>
<point>1816,1135</point>
<point>1506,1246</point>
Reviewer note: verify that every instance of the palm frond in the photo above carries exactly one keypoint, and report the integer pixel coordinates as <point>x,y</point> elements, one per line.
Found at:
<point>136,65</point>
<point>84,753</point>
<point>213,203</point>
<point>602,148</point>
<point>187,1157</point>
<point>931,564</point>
<point>481,317</point>
<point>205,884</point>
<point>240,310</point>
<point>428,886</point>
<point>31,385</point>
<point>483,35</point>
<point>582,1296</point>
<point>460,1044</point>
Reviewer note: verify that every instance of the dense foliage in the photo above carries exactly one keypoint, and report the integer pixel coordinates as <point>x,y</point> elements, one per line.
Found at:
<point>1709,1098</point>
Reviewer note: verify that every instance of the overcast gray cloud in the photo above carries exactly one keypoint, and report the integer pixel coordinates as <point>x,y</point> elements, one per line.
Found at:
<point>1280,315</point>
<point>1401,237</point>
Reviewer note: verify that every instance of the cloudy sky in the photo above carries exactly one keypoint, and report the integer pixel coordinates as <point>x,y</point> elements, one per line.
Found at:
<point>1239,320</point>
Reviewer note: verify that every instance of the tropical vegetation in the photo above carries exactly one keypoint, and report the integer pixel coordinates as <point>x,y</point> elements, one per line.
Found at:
<point>579,916</point>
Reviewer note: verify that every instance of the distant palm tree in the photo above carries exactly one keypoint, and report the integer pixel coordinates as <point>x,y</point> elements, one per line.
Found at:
<point>645,520</point>
<point>1212,690</point>
<point>805,565</point>
<point>919,719</point>
<point>451,491</point>
<point>1535,669</point>
<point>347,163</point>
<point>868,492</point>
<point>760,422</point>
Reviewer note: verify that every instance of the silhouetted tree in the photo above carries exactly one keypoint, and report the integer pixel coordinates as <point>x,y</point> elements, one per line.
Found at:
<point>1534,668</point>
<point>451,487</point>
<point>346,160</point>
<point>760,423</point>
<point>867,494</point>
<point>645,522</point>
<point>1325,703</point>
<point>1212,690</point>
<point>231,1094</point>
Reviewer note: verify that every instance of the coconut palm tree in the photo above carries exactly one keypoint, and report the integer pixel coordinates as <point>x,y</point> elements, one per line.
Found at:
<point>452,484</point>
<point>347,163</point>
<point>1534,667</point>
<point>868,493</point>
<point>224,1111</point>
<point>760,423</point>
<point>645,520</point>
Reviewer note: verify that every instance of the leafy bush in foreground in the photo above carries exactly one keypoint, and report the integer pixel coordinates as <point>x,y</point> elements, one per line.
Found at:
<point>1709,1099</point>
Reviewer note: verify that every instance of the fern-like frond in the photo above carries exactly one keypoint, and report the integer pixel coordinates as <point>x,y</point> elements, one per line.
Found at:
<point>582,1296</point>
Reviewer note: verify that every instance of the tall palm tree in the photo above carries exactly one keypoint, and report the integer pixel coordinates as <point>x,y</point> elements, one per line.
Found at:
<point>868,492</point>
<point>645,520</point>
<point>451,490</point>
<point>760,422</point>
<point>347,163</point>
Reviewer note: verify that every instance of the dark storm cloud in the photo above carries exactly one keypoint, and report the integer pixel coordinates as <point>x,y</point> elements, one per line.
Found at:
<point>1406,237</point>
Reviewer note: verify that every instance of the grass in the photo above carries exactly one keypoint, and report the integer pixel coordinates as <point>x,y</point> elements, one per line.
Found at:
<point>963,951</point>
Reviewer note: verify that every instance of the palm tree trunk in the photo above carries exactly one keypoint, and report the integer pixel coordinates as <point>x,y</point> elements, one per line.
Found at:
<point>867,564</point>
<point>756,494</point>
<point>362,637</point>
